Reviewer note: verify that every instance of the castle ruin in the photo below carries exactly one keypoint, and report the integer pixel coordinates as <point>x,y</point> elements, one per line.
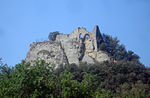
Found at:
<point>79,46</point>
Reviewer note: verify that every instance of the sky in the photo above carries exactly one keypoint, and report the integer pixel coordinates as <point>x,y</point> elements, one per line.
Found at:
<point>25,21</point>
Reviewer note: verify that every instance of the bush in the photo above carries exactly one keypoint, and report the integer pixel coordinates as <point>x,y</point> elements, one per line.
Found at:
<point>111,45</point>
<point>104,80</point>
<point>52,35</point>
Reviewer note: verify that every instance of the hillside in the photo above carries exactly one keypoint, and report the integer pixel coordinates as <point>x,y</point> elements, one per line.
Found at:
<point>87,65</point>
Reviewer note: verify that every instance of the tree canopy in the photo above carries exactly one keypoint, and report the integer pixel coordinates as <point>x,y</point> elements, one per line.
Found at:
<point>52,35</point>
<point>117,51</point>
<point>106,80</point>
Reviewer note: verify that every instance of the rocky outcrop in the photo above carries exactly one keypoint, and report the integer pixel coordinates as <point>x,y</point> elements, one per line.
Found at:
<point>79,46</point>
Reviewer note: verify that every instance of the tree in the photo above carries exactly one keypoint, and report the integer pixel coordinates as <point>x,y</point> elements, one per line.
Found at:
<point>118,51</point>
<point>104,80</point>
<point>52,35</point>
<point>102,46</point>
<point>111,43</point>
<point>5,70</point>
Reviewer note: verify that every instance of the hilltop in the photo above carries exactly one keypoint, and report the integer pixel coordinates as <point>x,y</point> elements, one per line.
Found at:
<point>78,47</point>
<point>89,65</point>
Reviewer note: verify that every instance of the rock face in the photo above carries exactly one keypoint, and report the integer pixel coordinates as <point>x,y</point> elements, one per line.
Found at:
<point>79,46</point>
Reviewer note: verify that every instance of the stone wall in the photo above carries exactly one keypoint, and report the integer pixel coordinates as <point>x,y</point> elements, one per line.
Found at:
<point>50,51</point>
<point>79,46</point>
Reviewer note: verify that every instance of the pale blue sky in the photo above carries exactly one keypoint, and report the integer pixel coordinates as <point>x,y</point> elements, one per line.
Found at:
<point>25,21</point>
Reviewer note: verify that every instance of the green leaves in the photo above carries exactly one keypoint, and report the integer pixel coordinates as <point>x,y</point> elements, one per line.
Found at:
<point>118,51</point>
<point>105,80</point>
<point>52,35</point>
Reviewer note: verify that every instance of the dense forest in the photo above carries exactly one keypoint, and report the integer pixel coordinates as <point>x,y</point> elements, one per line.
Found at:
<point>125,77</point>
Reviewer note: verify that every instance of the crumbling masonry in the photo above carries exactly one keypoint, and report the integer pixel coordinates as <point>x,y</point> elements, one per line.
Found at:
<point>79,46</point>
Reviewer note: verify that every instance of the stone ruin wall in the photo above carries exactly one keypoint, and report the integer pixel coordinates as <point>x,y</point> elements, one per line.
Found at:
<point>79,46</point>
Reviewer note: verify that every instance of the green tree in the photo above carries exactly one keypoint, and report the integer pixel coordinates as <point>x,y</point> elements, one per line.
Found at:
<point>137,90</point>
<point>105,80</point>
<point>118,51</point>
<point>102,46</point>
<point>28,81</point>
<point>52,35</point>
<point>5,70</point>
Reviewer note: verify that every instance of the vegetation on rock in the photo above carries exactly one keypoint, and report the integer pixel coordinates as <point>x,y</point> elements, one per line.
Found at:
<point>121,79</point>
<point>117,51</point>
<point>126,77</point>
<point>52,35</point>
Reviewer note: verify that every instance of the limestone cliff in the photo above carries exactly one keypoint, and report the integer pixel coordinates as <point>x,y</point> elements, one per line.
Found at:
<point>79,46</point>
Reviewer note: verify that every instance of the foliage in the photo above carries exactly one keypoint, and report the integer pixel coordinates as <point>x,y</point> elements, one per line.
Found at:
<point>137,90</point>
<point>5,71</point>
<point>40,80</point>
<point>118,51</point>
<point>52,35</point>
<point>106,80</point>
<point>124,78</point>
<point>27,81</point>
<point>111,75</point>
<point>102,46</point>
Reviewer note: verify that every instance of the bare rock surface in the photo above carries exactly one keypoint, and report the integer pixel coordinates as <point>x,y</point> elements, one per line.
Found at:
<point>79,46</point>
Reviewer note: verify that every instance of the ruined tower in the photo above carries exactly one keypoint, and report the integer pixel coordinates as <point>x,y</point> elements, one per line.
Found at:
<point>79,46</point>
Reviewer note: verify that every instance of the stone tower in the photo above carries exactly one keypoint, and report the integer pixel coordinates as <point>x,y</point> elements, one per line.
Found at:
<point>79,46</point>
